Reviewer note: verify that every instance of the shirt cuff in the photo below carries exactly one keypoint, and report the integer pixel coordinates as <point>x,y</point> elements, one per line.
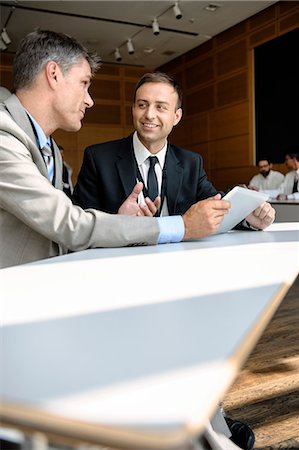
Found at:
<point>172,229</point>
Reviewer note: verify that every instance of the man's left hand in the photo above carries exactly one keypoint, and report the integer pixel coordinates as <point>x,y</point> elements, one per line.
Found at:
<point>262,217</point>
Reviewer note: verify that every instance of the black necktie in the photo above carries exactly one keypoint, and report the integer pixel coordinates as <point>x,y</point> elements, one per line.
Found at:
<point>295,185</point>
<point>152,183</point>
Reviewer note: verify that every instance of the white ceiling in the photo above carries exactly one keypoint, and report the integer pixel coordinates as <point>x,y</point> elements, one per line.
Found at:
<point>128,19</point>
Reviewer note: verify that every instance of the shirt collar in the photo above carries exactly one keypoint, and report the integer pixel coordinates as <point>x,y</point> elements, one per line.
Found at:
<point>41,138</point>
<point>142,153</point>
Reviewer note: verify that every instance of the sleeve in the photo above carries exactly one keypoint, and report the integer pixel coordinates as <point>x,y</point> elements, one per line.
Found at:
<point>28,195</point>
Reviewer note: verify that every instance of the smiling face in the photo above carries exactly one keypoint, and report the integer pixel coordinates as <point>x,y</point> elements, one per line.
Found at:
<point>72,96</point>
<point>155,113</point>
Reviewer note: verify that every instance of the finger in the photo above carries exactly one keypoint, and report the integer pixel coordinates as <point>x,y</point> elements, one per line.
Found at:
<point>151,205</point>
<point>223,205</point>
<point>136,191</point>
<point>147,211</point>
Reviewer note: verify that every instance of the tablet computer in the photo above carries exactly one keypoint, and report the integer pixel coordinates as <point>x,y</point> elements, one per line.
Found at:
<point>243,202</point>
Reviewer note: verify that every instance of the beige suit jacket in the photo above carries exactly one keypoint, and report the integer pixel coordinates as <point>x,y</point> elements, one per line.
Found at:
<point>37,220</point>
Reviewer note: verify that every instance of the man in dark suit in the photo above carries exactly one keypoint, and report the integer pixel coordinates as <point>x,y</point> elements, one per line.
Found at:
<point>110,170</point>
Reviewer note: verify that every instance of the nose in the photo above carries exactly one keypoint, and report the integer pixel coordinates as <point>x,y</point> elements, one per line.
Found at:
<point>88,100</point>
<point>150,112</point>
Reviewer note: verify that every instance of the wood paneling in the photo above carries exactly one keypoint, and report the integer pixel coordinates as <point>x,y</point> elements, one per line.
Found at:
<point>229,122</point>
<point>201,72</point>
<point>6,79</point>
<point>289,22</point>
<point>198,129</point>
<point>201,100</point>
<point>105,89</point>
<point>104,114</point>
<point>232,90</point>
<point>230,152</point>
<point>231,58</point>
<point>263,35</point>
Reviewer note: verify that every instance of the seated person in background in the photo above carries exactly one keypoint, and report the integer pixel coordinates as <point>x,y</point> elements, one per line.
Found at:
<point>289,160</point>
<point>267,179</point>
<point>289,189</point>
<point>110,170</point>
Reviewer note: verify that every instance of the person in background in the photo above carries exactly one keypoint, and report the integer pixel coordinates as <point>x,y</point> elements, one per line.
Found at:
<point>289,161</point>
<point>289,189</point>
<point>66,175</point>
<point>267,179</point>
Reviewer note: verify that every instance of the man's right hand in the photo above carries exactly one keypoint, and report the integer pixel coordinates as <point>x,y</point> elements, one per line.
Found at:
<point>204,217</point>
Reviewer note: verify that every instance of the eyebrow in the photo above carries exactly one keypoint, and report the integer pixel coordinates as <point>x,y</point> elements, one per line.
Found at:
<point>159,102</point>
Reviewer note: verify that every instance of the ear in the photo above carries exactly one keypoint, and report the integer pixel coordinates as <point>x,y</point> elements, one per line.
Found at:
<point>177,116</point>
<point>52,72</point>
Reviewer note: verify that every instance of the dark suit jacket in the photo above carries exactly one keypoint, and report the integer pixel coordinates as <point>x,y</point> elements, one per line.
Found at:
<point>108,176</point>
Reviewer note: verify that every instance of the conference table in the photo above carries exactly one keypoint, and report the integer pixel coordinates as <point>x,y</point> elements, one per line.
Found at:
<point>135,347</point>
<point>286,210</point>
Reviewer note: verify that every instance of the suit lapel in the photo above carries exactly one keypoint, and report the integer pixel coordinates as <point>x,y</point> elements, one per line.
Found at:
<point>126,165</point>
<point>174,178</point>
<point>19,115</point>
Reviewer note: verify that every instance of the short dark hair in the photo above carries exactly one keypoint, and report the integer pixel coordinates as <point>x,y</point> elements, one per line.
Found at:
<point>160,77</point>
<point>39,47</point>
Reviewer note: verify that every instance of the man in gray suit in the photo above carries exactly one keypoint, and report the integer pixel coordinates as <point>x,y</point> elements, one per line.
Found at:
<point>52,74</point>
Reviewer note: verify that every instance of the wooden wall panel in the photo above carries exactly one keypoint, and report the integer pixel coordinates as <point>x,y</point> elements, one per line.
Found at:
<point>201,100</point>
<point>231,58</point>
<point>201,72</point>
<point>198,128</point>
<point>104,114</point>
<point>263,35</point>
<point>232,90</point>
<point>229,122</point>
<point>230,152</point>
<point>105,89</point>
<point>289,22</point>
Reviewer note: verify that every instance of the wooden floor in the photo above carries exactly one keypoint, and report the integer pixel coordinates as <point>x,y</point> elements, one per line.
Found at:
<point>266,393</point>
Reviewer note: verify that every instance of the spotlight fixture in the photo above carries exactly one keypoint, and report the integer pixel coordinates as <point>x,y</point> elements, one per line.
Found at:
<point>117,55</point>
<point>130,47</point>
<point>5,38</point>
<point>155,25</point>
<point>176,10</point>
<point>2,45</point>
<point>211,7</point>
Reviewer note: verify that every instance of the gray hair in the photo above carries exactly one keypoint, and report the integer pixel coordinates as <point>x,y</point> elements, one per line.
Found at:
<point>39,47</point>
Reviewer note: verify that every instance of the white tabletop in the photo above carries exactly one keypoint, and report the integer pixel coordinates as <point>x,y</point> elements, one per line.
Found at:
<point>136,346</point>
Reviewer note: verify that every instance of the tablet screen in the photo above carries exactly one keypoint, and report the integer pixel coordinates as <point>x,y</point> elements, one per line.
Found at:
<point>243,202</point>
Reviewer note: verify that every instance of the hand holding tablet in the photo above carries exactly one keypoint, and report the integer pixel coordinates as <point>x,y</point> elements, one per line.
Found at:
<point>243,202</point>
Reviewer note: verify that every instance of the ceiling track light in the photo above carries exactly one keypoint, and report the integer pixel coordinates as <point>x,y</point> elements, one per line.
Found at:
<point>176,10</point>
<point>130,47</point>
<point>2,45</point>
<point>155,26</point>
<point>117,55</point>
<point>5,38</point>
